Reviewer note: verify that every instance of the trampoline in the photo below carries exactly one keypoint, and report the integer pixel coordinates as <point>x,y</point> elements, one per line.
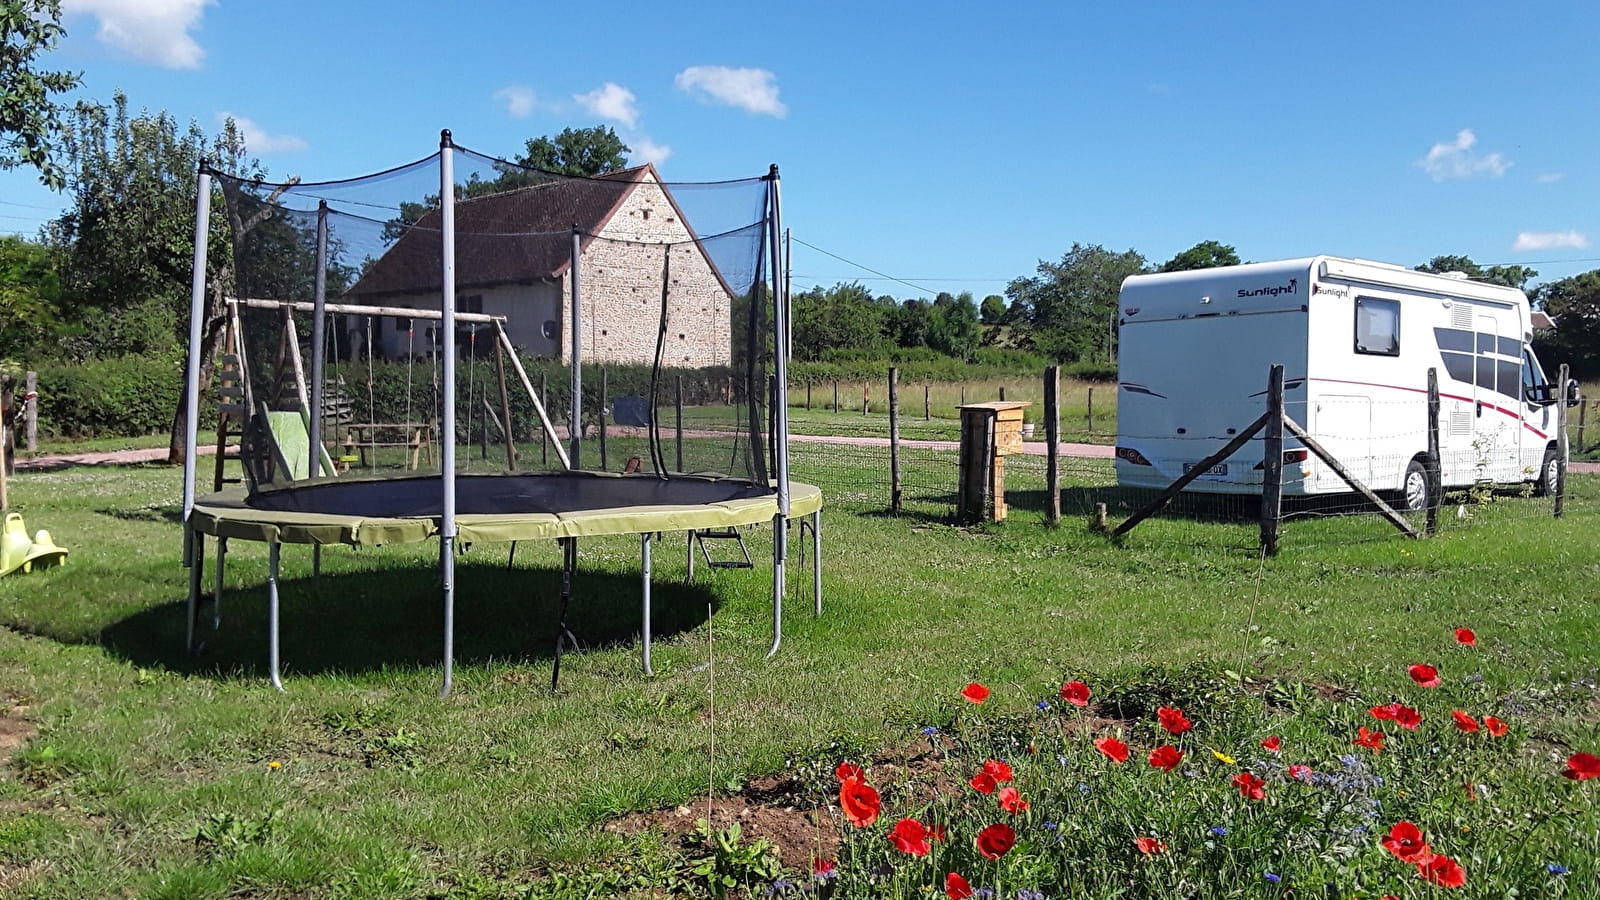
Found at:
<point>675,290</point>
<point>501,508</point>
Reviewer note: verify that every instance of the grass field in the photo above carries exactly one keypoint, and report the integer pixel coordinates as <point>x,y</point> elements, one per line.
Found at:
<point>138,771</point>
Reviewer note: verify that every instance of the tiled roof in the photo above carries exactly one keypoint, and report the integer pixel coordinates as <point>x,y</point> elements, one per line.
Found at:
<point>517,236</point>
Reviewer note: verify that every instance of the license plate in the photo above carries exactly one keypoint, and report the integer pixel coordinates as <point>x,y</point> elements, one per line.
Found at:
<point>1220,469</point>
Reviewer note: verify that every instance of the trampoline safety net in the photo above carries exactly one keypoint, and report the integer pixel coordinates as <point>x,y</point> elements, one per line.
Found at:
<point>671,332</point>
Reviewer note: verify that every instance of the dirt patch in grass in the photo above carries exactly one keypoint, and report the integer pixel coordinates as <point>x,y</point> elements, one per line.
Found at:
<point>15,729</point>
<point>769,808</point>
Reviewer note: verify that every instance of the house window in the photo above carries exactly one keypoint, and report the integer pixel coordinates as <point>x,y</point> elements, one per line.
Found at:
<point>1377,326</point>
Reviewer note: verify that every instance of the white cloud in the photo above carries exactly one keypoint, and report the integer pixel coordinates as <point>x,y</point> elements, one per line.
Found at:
<point>1549,240</point>
<point>648,151</point>
<point>1456,160</point>
<point>610,101</point>
<point>752,90</point>
<point>1550,177</point>
<point>519,100</point>
<point>153,31</point>
<point>257,140</point>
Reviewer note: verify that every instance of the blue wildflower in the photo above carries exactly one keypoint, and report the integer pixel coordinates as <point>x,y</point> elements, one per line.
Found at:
<point>929,729</point>
<point>1083,789</point>
<point>1218,830</point>
<point>780,888</point>
<point>1556,869</point>
<point>1050,826</point>
<point>1044,704</point>
<point>984,893</point>
<point>1272,878</point>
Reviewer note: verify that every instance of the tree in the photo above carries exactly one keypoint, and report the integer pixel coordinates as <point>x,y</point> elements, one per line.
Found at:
<point>993,310</point>
<point>30,120</point>
<point>844,317</point>
<point>953,327</point>
<point>1204,255</point>
<point>1510,276</point>
<point>1575,305</point>
<point>29,292</point>
<point>1072,304</point>
<point>578,151</point>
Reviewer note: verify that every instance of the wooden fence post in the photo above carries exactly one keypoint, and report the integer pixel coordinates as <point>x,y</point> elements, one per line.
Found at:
<point>866,396</point>
<point>1582,409</point>
<point>836,396</point>
<point>894,439</point>
<point>1002,392</point>
<point>1091,412</point>
<point>1562,449</point>
<point>1052,436</point>
<point>1272,464</point>
<point>808,396</point>
<point>1435,464</point>
<point>927,405</point>
<point>30,382</point>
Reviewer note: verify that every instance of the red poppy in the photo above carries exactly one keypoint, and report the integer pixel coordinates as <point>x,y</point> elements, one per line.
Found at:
<point>1076,693</point>
<point>1114,749</point>
<point>996,841</point>
<point>1464,722</point>
<point>1494,726</point>
<point>1372,740</point>
<point>1011,801</point>
<point>998,770</point>
<point>849,770</point>
<point>1173,720</point>
<point>1405,841</point>
<point>975,692</point>
<point>1166,757</point>
<point>823,867</point>
<point>860,802</point>
<point>1424,675</point>
<point>1250,786</point>
<point>1272,744</point>
<point>1443,871</point>
<point>1300,773</point>
<point>1466,637</point>
<point>911,836</point>
<point>1406,717</point>
<point>1386,712</point>
<point>1149,846</point>
<point>1582,767</point>
<point>956,887</point>
<point>983,783</point>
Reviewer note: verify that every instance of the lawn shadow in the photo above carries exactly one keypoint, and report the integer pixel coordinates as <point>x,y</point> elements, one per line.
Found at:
<point>387,618</point>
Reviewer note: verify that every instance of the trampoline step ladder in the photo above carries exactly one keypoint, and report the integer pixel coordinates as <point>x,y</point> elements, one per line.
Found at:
<point>723,534</point>
<point>231,415</point>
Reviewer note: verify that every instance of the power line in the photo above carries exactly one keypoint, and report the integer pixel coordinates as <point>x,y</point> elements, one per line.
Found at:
<point>882,275</point>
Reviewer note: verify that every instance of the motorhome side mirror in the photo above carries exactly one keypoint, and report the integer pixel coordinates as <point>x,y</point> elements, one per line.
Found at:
<point>1573,395</point>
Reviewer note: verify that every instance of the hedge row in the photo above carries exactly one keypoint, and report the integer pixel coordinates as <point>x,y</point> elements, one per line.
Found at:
<point>123,397</point>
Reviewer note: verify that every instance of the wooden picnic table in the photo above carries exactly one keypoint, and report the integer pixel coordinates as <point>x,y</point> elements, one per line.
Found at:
<point>416,437</point>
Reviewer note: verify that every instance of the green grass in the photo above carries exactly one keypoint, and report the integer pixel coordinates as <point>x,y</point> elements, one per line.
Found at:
<point>152,773</point>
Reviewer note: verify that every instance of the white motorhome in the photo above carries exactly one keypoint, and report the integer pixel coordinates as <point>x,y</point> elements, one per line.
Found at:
<point>1356,339</point>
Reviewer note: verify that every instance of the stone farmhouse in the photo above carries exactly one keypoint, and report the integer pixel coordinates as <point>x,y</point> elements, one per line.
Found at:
<point>513,259</point>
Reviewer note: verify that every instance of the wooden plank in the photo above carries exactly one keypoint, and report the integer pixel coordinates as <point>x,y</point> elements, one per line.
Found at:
<point>1388,512</point>
<point>1200,468</point>
<point>1272,464</point>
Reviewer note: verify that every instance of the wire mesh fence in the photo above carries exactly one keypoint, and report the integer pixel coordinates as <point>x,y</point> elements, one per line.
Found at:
<point>1485,479</point>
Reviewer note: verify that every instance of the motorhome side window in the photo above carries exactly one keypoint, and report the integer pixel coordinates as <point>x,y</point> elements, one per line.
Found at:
<point>1377,326</point>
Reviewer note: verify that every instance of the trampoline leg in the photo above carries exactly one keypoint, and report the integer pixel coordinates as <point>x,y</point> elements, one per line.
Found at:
<point>195,549</point>
<point>569,564</point>
<point>447,579</point>
<point>816,561</point>
<point>780,538</point>
<point>690,577</point>
<point>272,614</point>
<point>512,556</point>
<point>644,564</point>
<point>216,593</point>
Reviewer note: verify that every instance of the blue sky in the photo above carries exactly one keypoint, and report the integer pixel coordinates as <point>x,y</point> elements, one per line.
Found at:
<point>945,145</point>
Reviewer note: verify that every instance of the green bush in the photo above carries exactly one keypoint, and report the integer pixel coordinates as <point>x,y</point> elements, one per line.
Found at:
<point>122,397</point>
